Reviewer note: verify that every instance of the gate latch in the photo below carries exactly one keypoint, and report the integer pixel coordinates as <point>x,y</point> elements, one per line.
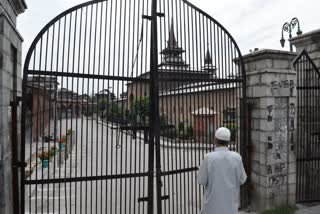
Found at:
<point>19,164</point>
<point>160,14</point>
<point>145,199</point>
<point>146,17</point>
<point>150,17</point>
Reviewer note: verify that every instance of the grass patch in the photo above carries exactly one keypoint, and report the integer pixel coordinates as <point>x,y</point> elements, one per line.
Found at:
<point>285,209</point>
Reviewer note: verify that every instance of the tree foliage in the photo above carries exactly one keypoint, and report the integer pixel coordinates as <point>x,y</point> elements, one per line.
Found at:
<point>140,109</point>
<point>103,104</point>
<point>108,109</point>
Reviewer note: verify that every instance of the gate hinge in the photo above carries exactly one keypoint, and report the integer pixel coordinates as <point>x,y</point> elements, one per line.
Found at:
<point>16,102</point>
<point>19,99</point>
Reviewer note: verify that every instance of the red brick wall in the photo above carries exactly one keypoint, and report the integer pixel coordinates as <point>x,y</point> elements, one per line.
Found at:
<point>40,113</point>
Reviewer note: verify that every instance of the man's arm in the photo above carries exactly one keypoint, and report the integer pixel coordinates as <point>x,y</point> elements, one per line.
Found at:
<point>243,175</point>
<point>203,172</point>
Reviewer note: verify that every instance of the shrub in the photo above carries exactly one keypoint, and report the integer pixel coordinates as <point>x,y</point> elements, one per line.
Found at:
<point>63,139</point>
<point>185,132</point>
<point>163,120</point>
<point>69,132</point>
<point>233,129</point>
<point>181,126</point>
<point>46,138</point>
<point>52,152</point>
<point>44,155</point>
<point>190,131</point>
<point>169,133</point>
<point>102,104</point>
<point>284,209</point>
<point>141,109</point>
<point>232,126</point>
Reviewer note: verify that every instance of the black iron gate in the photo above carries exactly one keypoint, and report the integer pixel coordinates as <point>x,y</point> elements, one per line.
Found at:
<point>120,103</point>
<point>308,131</point>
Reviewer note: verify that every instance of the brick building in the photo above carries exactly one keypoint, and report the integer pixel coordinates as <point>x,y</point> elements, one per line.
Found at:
<point>184,91</point>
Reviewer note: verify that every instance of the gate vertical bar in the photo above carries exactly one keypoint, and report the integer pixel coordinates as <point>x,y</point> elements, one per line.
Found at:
<point>14,135</point>
<point>154,103</point>
<point>308,86</point>
<point>14,147</point>
<point>22,151</point>
<point>244,144</point>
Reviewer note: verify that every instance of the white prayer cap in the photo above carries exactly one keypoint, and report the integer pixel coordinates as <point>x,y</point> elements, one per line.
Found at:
<point>223,133</point>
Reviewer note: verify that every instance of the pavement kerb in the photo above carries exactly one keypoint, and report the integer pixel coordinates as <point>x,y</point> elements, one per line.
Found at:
<point>165,143</point>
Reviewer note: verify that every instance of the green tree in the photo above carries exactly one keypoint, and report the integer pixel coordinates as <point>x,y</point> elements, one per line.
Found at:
<point>141,109</point>
<point>102,105</point>
<point>109,109</point>
<point>113,111</point>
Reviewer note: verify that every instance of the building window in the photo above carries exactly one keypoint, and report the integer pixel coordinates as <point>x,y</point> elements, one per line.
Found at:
<point>229,115</point>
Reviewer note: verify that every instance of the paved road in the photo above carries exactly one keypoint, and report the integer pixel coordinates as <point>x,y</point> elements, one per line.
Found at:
<point>99,150</point>
<point>311,208</point>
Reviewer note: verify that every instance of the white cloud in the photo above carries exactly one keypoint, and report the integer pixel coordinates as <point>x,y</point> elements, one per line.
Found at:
<point>258,23</point>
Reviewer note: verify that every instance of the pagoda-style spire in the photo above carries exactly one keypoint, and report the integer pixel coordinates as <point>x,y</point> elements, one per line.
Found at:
<point>172,42</point>
<point>172,53</point>
<point>208,58</point>
<point>208,66</point>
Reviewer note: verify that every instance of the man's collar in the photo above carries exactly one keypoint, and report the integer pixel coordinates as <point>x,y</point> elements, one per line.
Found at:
<point>222,148</point>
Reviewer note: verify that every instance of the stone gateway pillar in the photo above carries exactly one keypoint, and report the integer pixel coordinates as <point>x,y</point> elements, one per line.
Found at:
<point>10,88</point>
<point>271,90</point>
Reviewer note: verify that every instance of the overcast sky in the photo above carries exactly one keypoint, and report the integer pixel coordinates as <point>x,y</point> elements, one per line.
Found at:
<point>253,23</point>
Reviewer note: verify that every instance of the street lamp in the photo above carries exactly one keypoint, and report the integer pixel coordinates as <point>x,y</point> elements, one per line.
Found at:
<point>288,28</point>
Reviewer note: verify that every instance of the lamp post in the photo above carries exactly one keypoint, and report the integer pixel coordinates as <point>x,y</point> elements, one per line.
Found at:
<point>288,27</point>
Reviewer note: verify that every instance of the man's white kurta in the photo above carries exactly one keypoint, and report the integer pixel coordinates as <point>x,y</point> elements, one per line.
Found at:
<point>221,173</point>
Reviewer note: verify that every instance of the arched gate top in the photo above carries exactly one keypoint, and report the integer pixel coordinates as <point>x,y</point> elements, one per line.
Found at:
<point>71,10</point>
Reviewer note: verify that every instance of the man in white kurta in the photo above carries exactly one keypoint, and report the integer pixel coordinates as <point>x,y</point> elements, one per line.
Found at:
<point>221,173</point>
